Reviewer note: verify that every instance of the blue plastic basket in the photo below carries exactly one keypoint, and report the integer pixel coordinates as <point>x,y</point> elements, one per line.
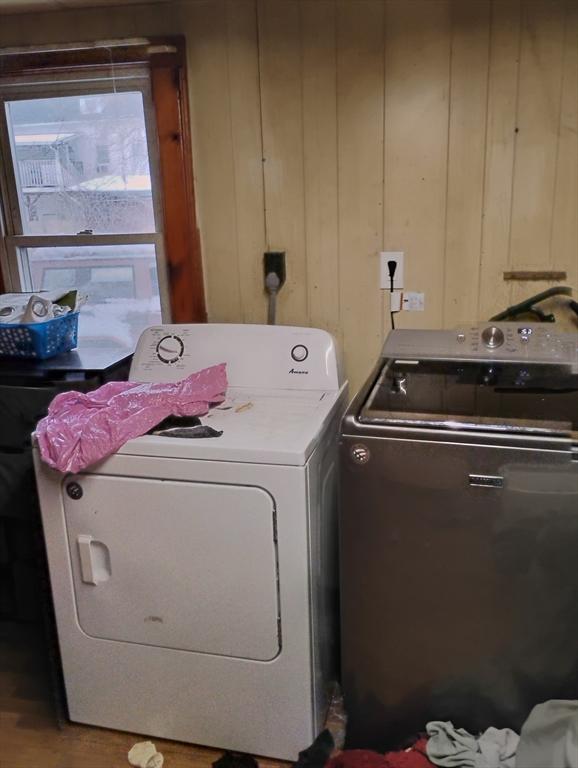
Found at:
<point>39,341</point>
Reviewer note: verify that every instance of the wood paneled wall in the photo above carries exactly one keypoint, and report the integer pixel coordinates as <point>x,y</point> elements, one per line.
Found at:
<point>333,129</point>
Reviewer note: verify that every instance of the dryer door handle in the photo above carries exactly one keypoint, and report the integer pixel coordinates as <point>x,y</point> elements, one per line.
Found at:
<point>86,565</point>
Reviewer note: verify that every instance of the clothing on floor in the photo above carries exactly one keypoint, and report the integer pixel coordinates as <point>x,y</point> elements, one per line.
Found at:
<point>145,755</point>
<point>414,757</point>
<point>456,748</point>
<point>235,760</point>
<point>498,748</point>
<point>357,758</point>
<point>550,736</point>
<point>317,755</point>
<point>84,427</point>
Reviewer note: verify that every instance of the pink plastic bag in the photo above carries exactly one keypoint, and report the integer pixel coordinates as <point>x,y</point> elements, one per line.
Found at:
<point>82,428</point>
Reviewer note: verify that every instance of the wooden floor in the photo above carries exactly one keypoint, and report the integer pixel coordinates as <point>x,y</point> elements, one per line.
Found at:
<point>30,736</point>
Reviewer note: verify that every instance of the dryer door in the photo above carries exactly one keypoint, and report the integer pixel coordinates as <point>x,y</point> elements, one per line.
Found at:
<point>181,565</point>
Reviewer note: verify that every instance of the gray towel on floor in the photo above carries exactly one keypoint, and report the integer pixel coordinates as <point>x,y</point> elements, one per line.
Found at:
<point>456,748</point>
<point>550,736</point>
<point>498,747</point>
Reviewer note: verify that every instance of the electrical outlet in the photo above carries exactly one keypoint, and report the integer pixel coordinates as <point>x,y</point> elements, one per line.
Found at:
<point>274,261</point>
<point>385,282</point>
<point>413,302</point>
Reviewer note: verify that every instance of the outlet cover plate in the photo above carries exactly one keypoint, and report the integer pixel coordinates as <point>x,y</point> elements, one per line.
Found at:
<point>413,302</point>
<point>384,282</point>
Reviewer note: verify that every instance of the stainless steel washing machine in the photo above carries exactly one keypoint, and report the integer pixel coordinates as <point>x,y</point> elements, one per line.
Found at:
<point>459,531</point>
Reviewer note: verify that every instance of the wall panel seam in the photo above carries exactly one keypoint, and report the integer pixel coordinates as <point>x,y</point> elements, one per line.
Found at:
<point>447,184</point>
<point>260,75</point>
<point>338,174</point>
<point>484,164</point>
<point>225,13</point>
<point>515,147</point>
<point>303,163</point>
<point>338,254</point>
<point>383,172</point>
<point>552,258</point>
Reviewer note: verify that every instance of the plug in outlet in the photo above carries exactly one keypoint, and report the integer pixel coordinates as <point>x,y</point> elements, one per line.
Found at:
<point>274,261</point>
<point>385,280</point>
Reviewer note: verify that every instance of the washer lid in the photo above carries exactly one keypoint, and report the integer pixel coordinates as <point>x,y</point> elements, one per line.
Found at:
<point>487,395</point>
<point>258,426</point>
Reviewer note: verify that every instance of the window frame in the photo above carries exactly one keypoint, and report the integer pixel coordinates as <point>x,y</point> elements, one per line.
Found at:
<point>180,271</point>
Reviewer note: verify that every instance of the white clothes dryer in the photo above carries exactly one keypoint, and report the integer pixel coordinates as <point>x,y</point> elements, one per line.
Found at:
<point>195,580</point>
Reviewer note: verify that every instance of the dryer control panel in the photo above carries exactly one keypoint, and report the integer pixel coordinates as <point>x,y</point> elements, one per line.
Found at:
<point>531,342</point>
<point>257,356</point>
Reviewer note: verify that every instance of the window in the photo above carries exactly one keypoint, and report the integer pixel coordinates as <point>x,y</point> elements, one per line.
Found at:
<point>87,154</point>
<point>87,174</point>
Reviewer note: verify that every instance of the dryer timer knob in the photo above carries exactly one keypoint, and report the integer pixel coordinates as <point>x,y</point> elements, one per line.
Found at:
<point>170,349</point>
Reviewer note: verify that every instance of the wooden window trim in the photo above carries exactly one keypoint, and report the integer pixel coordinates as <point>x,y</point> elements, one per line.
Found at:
<point>166,58</point>
<point>182,239</point>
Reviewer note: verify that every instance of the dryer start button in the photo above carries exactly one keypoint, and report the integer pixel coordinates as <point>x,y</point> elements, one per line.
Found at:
<point>299,353</point>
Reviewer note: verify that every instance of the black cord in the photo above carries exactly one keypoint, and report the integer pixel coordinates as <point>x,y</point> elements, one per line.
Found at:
<point>391,266</point>
<point>528,304</point>
<point>391,273</point>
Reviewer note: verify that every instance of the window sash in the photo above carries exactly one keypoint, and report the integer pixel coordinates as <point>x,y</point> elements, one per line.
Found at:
<point>12,215</point>
<point>44,86</point>
<point>16,269</point>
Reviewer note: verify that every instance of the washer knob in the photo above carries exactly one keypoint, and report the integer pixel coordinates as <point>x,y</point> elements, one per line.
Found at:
<point>299,353</point>
<point>493,337</point>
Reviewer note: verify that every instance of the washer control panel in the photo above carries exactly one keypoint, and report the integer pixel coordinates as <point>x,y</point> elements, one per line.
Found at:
<point>512,341</point>
<point>255,355</point>
<point>535,342</point>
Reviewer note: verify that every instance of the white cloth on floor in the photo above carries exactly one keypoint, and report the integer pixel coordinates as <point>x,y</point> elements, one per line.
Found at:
<point>145,755</point>
<point>452,747</point>
<point>498,747</point>
<point>550,736</point>
<point>449,746</point>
